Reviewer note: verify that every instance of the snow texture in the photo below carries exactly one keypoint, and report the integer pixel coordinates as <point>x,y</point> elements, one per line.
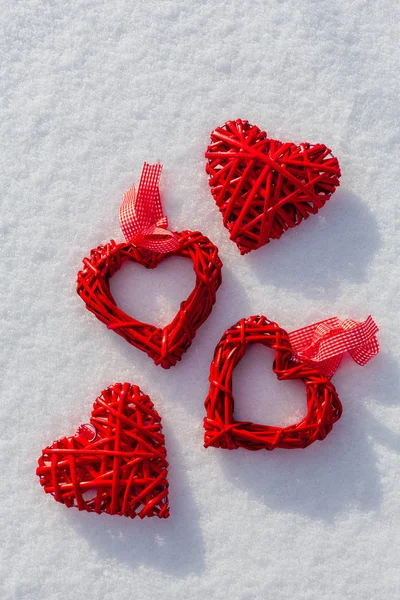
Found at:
<point>90,89</point>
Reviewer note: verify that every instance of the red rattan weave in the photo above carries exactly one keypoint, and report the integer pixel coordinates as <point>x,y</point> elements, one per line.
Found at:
<point>165,346</point>
<point>263,186</point>
<point>221,429</point>
<point>123,470</point>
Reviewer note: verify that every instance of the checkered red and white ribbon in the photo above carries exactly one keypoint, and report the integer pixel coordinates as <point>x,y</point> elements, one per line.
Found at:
<point>142,220</point>
<point>323,344</point>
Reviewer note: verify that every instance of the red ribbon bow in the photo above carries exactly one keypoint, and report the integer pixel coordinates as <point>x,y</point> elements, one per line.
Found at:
<point>323,344</point>
<point>142,220</point>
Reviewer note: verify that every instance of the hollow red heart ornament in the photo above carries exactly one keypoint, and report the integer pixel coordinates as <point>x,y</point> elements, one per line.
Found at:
<point>116,464</point>
<point>223,431</point>
<point>264,187</point>
<point>167,345</point>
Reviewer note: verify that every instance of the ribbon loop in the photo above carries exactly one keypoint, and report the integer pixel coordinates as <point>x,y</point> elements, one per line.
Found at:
<point>323,344</point>
<point>142,220</point>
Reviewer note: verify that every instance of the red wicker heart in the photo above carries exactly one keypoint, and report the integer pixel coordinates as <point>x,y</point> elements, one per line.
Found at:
<point>221,429</point>
<point>262,186</point>
<point>165,346</point>
<point>116,464</point>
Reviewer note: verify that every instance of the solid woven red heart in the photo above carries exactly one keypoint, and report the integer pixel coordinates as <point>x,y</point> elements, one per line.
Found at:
<point>165,346</point>
<point>222,431</point>
<point>263,187</point>
<point>116,464</point>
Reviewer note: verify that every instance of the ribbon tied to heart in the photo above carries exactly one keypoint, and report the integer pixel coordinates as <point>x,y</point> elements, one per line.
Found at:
<point>323,344</point>
<point>141,216</point>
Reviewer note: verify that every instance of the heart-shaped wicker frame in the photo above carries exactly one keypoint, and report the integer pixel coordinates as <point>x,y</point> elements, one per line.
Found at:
<point>264,187</point>
<point>221,429</point>
<point>165,346</point>
<point>121,469</point>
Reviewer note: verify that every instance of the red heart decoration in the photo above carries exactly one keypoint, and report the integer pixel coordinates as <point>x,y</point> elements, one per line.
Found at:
<point>263,187</point>
<point>116,464</point>
<point>165,346</point>
<point>221,429</point>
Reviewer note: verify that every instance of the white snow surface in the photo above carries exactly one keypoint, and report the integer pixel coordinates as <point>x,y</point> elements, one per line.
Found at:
<point>90,89</point>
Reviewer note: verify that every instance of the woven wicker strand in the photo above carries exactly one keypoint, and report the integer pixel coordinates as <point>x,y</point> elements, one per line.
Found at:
<point>116,464</point>
<point>264,187</point>
<point>165,346</point>
<point>222,431</point>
